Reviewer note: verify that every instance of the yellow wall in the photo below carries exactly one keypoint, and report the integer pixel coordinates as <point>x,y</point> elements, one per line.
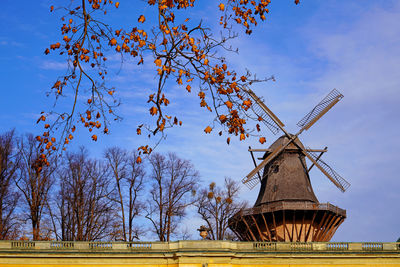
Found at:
<point>198,254</point>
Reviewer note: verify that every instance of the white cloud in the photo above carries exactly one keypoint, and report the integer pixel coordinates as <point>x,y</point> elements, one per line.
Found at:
<point>53,65</point>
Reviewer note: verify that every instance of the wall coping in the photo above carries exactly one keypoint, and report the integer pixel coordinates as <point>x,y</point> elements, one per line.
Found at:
<point>201,246</point>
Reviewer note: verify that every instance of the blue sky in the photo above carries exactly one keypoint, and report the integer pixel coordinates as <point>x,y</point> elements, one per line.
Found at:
<point>311,48</point>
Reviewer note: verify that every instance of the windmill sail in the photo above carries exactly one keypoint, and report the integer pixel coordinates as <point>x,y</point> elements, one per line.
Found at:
<point>339,181</point>
<point>319,110</point>
<point>264,113</point>
<point>265,119</point>
<point>251,180</point>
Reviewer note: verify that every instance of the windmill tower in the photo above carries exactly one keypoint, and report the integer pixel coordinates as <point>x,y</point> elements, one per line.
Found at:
<point>286,208</point>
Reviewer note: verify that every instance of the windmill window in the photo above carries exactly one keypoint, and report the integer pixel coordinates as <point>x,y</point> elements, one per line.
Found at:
<point>275,168</point>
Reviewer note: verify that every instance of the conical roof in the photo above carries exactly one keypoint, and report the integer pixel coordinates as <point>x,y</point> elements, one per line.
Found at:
<point>286,177</point>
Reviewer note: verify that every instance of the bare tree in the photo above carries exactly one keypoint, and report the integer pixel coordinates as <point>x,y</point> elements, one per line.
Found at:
<point>216,205</point>
<point>86,210</point>
<point>116,159</point>
<point>135,183</point>
<point>128,176</point>
<point>174,181</point>
<point>8,196</point>
<point>34,183</point>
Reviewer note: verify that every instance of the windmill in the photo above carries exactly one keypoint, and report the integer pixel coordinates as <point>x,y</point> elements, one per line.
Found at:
<point>286,208</point>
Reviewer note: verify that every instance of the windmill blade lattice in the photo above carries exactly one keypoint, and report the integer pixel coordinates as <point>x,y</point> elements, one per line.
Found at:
<point>327,103</point>
<point>263,112</point>
<point>250,183</point>
<point>265,118</point>
<point>342,184</point>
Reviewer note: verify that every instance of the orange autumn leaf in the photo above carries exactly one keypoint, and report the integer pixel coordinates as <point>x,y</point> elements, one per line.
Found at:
<point>141,19</point>
<point>138,160</point>
<point>188,88</point>
<point>113,42</point>
<point>242,136</point>
<point>221,7</point>
<point>243,78</point>
<point>229,104</point>
<point>208,129</point>
<point>117,4</point>
<point>222,118</point>
<point>158,62</point>
<point>247,103</point>
<point>262,140</point>
<point>152,46</point>
<point>48,145</point>
<point>228,140</point>
<point>153,111</point>
<point>94,137</point>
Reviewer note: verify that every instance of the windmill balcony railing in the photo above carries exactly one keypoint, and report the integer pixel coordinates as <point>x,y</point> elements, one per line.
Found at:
<point>201,245</point>
<point>293,205</point>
